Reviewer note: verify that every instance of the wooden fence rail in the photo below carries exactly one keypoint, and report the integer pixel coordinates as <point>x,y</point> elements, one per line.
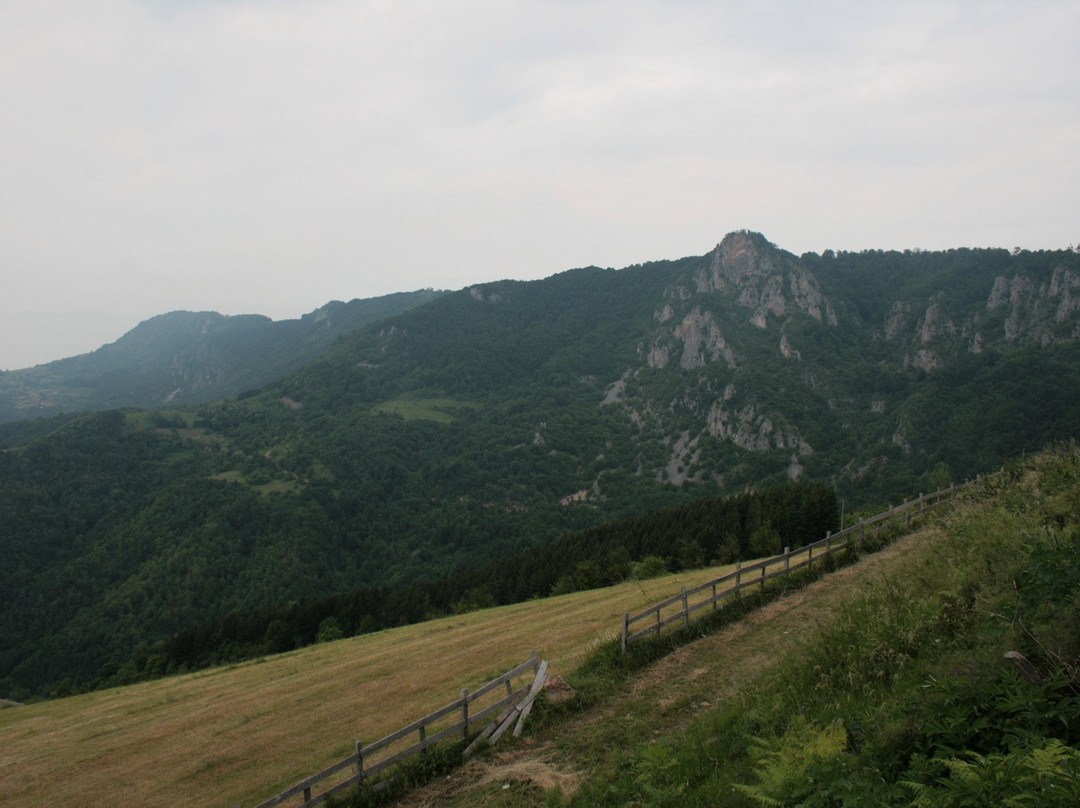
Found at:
<point>679,608</point>
<point>376,757</point>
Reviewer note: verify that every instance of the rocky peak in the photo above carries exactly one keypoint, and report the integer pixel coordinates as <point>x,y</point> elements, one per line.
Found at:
<point>765,280</point>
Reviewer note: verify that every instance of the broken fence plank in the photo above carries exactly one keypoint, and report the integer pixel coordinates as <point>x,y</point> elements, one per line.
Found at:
<point>534,691</point>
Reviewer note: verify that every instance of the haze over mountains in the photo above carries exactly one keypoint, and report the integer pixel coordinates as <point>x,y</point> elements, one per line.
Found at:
<point>184,357</point>
<point>477,423</point>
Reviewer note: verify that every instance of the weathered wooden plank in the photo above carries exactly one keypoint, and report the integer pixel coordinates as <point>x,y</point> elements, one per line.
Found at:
<point>534,691</point>
<point>532,662</point>
<point>410,751</point>
<point>657,607</point>
<point>490,728</point>
<point>345,785</point>
<point>491,709</point>
<point>386,763</point>
<point>310,781</point>
<point>522,706</point>
<point>637,635</point>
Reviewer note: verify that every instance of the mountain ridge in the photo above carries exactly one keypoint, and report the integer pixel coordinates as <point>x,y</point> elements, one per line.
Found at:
<point>184,357</point>
<point>503,415</point>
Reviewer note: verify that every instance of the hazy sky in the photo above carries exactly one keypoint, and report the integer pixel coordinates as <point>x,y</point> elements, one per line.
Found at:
<point>260,156</point>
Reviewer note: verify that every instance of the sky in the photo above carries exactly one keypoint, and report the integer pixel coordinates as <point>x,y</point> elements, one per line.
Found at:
<point>257,156</point>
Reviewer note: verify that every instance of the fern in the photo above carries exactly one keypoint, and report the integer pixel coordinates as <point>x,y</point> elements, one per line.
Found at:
<point>1046,776</point>
<point>782,764</point>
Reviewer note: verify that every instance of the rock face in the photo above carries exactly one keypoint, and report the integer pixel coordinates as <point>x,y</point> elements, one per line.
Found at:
<point>1038,313</point>
<point>747,287</point>
<point>702,341</point>
<point>764,280</point>
<point>1019,310</point>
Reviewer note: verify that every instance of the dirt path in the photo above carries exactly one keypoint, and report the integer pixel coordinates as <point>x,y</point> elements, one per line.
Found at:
<point>657,701</point>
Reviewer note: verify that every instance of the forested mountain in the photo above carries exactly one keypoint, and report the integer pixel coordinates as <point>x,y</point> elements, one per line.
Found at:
<point>186,357</point>
<point>500,417</point>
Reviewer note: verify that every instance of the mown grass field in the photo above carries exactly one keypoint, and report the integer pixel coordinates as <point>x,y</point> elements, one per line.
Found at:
<point>237,735</point>
<point>440,410</point>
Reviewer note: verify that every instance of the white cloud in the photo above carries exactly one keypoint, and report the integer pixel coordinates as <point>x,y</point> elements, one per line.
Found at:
<point>269,156</point>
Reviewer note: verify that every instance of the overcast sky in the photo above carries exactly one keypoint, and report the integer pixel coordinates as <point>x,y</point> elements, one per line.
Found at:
<point>255,156</point>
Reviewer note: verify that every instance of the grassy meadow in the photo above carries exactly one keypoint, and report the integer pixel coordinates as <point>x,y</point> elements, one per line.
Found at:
<point>237,735</point>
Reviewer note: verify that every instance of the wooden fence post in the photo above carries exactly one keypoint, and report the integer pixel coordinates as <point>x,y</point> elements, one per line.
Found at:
<point>625,629</point>
<point>738,580</point>
<point>359,761</point>
<point>685,608</point>
<point>787,561</point>
<point>828,542</point>
<point>465,712</point>
<point>714,596</point>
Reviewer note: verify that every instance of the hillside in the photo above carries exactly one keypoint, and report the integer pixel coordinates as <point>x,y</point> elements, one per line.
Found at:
<point>866,648</point>
<point>230,736</point>
<point>186,357</point>
<point>498,418</point>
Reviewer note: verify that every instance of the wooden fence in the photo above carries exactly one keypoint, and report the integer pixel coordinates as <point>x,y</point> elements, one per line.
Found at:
<point>680,608</point>
<point>453,720</point>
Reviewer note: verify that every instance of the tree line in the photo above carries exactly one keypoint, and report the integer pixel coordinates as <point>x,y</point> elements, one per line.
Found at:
<point>708,531</point>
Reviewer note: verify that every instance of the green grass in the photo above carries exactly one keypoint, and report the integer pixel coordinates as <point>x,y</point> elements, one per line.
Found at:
<point>902,691</point>
<point>291,714</point>
<point>441,410</point>
<point>840,687</point>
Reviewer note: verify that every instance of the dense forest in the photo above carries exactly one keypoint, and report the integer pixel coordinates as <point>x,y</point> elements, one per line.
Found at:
<point>492,421</point>
<point>186,357</point>
<point>688,537</point>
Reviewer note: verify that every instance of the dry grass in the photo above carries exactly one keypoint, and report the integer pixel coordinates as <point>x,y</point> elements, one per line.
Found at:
<point>234,736</point>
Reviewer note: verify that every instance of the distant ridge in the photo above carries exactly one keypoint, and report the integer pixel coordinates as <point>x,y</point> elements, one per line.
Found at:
<point>185,357</point>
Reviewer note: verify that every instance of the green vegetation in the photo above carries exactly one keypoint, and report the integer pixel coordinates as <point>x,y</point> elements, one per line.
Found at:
<point>184,357</point>
<point>685,538</point>
<point>443,441</point>
<point>886,683</point>
<point>440,410</point>
<point>905,696</point>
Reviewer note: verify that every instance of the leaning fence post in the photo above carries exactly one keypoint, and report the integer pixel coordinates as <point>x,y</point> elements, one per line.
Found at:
<point>625,629</point>
<point>464,713</point>
<point>685,608</point>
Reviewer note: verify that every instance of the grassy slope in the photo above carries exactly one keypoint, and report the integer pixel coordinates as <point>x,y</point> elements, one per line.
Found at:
<point>663,701</point>
<point>234,736</point>
<point>854,650</point>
